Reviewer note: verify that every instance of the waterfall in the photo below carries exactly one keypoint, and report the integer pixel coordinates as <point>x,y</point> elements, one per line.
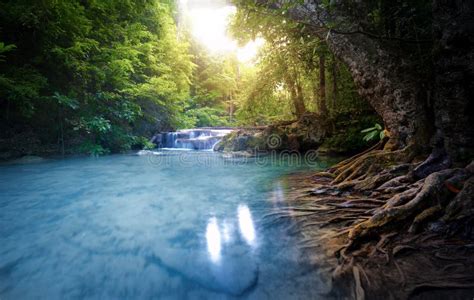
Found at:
<point>194,139</point>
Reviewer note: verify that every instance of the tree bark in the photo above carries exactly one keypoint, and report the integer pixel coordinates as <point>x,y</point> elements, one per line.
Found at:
<point>296,93</point>
<point>454,80</point>
<point>386,79</point>
<point>393,86</point>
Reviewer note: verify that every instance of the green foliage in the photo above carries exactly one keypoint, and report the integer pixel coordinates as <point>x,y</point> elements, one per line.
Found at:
<point>345,141</point>
<point>288,69</point>
<point>215,84</point>
<point>5,48</point>
<point>93,149</point>
<point>66,101</point>
<point>347,137</point>
<point>100,76</point>
<point>209,117</point>
<point>143,143</point>
<point>373,133</point>
<point>262,100</point>
<point>95,125</point>
<point>107,70</point>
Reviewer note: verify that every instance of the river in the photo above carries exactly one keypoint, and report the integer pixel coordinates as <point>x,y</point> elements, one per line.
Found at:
<point>175,225</point>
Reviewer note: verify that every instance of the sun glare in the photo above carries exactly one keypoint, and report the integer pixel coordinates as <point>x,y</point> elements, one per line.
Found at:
<point>208,25</point>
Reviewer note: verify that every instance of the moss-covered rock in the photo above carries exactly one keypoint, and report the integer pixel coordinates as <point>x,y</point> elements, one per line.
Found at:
<point>302,135</point>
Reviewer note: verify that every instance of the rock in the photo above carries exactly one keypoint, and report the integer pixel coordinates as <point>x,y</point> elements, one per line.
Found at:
<point>238,154</point>
<point>157,139</point>
<point>235,274</point>
<point>302,135</point>
<point>28,159</point>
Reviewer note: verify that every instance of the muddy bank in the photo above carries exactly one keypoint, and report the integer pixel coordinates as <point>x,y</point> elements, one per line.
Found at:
<point>393,265</point>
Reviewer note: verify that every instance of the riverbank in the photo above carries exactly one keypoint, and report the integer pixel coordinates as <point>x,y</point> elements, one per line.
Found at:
<point>310,132</point>
<point>397,264</point>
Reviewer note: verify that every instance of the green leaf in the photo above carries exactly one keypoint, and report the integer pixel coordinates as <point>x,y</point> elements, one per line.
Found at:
<point>5,48</point>
<point>368,129</point>
<point>66,101</point>
<point>370,136</point>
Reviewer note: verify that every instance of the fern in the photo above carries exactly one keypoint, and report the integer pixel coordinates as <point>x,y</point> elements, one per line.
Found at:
<point>372,133</point>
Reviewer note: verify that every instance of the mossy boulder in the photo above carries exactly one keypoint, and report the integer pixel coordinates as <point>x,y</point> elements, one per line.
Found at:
<point>242,140</point>
<point>301,135</point>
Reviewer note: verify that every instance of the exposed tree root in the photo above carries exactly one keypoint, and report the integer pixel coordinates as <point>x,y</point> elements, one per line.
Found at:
<point>372,162</point>
<point>378,146</point>
<point>359,290</point>
<point>428,201</point>
<point>425,215</point>
<point>373,217</point>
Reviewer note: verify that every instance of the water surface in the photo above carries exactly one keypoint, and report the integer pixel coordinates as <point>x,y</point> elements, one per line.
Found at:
<point>171,226</point>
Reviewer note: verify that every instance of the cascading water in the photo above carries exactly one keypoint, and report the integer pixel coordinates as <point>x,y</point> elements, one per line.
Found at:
<point>194,139</point>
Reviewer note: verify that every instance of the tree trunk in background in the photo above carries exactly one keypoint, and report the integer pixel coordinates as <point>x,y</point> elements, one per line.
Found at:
<point>322,86</point>
<point>454,79</point>
<point>231,111</point>
<point>334,82</point>
<point>296,93</point>
<point>299,100</point>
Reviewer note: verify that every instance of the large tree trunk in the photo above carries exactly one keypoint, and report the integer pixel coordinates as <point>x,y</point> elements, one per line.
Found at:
<point>389,85</point>
<point>299,100</point>
<point>454,79</point>
<point>392,85</point>
<point>386,79</point>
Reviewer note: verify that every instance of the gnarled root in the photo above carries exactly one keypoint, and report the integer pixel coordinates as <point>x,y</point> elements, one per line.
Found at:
<point>378,146</point>
<point>425,215</point>
<point>399,209</point>
<point>460,211</point>
<point>384,199</point>
<point>360,170</point>
<point>373,181</point>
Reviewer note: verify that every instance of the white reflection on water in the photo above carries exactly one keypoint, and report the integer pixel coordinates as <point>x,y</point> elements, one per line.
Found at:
<point>227,231</point>
<point>247,229</point>
<point>213,238</point>
<point>278,196</point>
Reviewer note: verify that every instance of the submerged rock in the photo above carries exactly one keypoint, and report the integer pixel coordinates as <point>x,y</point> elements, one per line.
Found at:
<point>238,154</point>
<point>234,274</point>
<point>28,159</point>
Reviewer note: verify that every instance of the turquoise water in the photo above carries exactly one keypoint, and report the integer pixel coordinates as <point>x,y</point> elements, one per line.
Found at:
<point>173,226</point>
